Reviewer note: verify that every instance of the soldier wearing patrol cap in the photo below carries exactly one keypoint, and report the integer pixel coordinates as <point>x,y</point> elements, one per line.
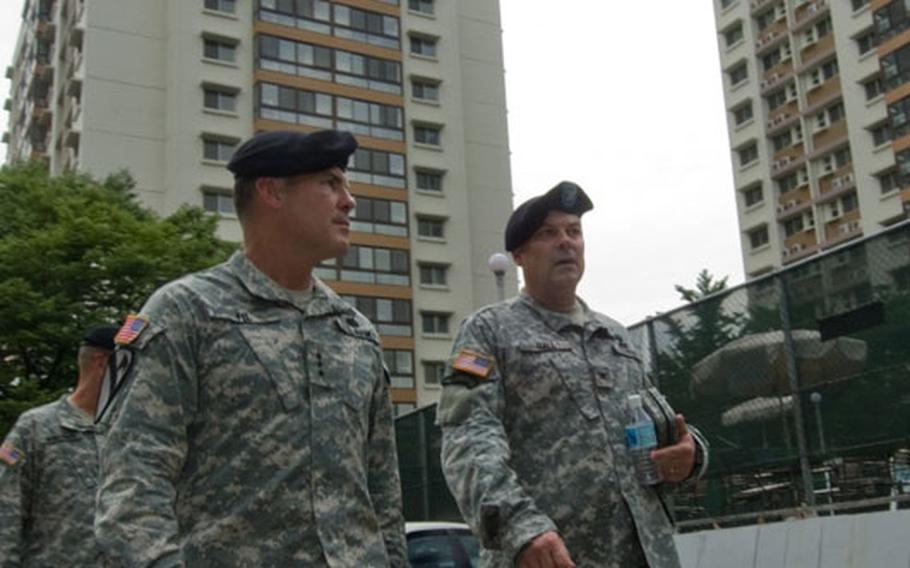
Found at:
<point>49,471</point>
<point>533,408</point>
<point>250,421</point>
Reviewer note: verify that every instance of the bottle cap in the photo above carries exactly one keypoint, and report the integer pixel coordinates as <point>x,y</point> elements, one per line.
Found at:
<point>635,400</point>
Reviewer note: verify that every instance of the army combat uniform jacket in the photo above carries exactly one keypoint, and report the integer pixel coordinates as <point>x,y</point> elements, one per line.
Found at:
<point>255,430</point>
<point>533,414</point>
<point>48,478</point>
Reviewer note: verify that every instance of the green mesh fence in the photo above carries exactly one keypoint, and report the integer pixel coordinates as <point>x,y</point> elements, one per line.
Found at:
<point>800,380</point>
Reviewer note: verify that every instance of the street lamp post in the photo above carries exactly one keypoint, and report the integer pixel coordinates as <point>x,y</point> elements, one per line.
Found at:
<point>498,263</point>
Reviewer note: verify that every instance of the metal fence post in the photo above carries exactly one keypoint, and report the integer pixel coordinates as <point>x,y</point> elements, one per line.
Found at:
<point>424,473</point>
<point>793,375</point>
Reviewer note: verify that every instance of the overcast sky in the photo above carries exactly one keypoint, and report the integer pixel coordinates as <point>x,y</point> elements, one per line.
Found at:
<point>625,99</point>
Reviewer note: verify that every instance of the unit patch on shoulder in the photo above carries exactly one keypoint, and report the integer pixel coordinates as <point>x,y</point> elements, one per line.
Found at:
<point>10,455</point>
<point>473,363</point>
<point>131,329</point>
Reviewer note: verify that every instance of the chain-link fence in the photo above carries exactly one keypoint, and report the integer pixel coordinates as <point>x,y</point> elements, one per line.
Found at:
<point>800,380</point>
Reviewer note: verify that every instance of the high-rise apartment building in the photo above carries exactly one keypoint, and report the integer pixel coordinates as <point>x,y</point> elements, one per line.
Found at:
<point>167,89</point>
<point>818,104</point>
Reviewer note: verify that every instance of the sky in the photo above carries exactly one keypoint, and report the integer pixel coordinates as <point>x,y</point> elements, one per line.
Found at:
<point>625,99</point>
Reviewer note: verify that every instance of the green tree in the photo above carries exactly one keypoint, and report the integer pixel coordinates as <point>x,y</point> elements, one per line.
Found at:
<point>75,252</point>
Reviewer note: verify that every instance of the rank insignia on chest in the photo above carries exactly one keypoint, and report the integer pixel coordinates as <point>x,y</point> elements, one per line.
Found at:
<point>131,329</point>
<point>473,363</point>
<point>10,455</point>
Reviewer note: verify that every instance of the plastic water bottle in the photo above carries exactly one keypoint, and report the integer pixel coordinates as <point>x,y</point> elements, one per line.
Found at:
<point>641,438</point>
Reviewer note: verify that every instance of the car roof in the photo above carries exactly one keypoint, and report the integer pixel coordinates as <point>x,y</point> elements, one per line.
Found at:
<point>418,526</point>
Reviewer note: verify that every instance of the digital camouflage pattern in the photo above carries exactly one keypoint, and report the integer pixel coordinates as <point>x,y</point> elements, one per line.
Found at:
<point>255,430</point>
<point>47,495</point>
<point>539,444</point>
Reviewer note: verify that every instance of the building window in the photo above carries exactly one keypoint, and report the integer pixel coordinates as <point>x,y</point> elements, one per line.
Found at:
<point>770,60</point>
<point>368,27</point>
<point>849,202</point>
<point>219,99</point>
<point>227,6</point>
<point>434,322</point>
<point>220,49</point>
<point>758,237</point>
<point>433,372</point>
<point>782,140</point>
<point>369,265</point>
<point>430,134</point>
<point>429,180</point>
<point>776,99</point>
<point>899,112</point>
<point>423,45</point>
<point>432,227</point>
<point>881,133</point>
<point>891,19</point>
<point>738,74</point>
<point>873,87</point>
<point>327,64</point>
<point>793,226</point>
<point>390,316</point>
<point>400,363</point>
<point>823,73</point>
<point>434,274</point>
<point>380,216</point>
<point>296,106</point>
<point>377,167</point>
<point>742,113</point>
<point>219,202</point>
<point>422,6</point>
<point>748,154</point>
<point>791,181</point>
<point>217,150</point>
<point>866,42</point>
<point>888,181</point>
<point>753,195</point>
<point>836,160</point>
<point>733,34</point>
<point>896,68</point>
<point>425,90</point>
<point>344,21</point>
<point>765,19</point>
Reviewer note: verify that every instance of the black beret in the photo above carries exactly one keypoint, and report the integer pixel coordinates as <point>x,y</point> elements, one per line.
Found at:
<point>529,216</point>
<point>102,336</point>
<point>283,153</point>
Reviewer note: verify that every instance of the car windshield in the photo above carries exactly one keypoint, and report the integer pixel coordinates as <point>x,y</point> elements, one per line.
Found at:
<point>443,548</point>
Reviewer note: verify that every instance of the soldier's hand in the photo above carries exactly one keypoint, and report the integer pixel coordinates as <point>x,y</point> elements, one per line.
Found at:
<point>545,551</point>
<point>676,461</point>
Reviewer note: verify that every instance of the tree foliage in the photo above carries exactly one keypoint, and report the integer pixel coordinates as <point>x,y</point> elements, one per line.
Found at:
<point>76,252</point>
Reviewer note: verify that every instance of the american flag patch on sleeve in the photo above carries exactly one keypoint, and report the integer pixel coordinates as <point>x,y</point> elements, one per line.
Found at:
<point>473,363</point>
<point>10,455</point>
<point>131,329</point>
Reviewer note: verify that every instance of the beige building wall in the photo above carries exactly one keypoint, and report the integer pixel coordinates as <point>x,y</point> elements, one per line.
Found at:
<point>127,91</point>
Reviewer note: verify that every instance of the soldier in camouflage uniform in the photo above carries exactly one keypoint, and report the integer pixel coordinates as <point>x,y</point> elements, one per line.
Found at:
<point>49,472</point>
<point>533,413</point>
<point>254,425</point>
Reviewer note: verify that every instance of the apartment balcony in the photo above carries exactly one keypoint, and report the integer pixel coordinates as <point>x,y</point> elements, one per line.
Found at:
<point>773,35</point>
<point>789,154</point>
<point>832,186</point>
<point>793,202</point>
<point>783,117</point>
<point>817,49</point>
<point>756,5</point>
<point>45,30</point>
<point>809,13</point>
<point>799,245</point>
<point>832,134</point>
<point>786,165</point>
<point>773,79</point>
<point>841,229</point>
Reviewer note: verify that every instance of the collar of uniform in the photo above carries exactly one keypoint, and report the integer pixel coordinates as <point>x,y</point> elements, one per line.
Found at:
<point>559,321</point>
<point>323,300</point>
<point>73,418</point>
